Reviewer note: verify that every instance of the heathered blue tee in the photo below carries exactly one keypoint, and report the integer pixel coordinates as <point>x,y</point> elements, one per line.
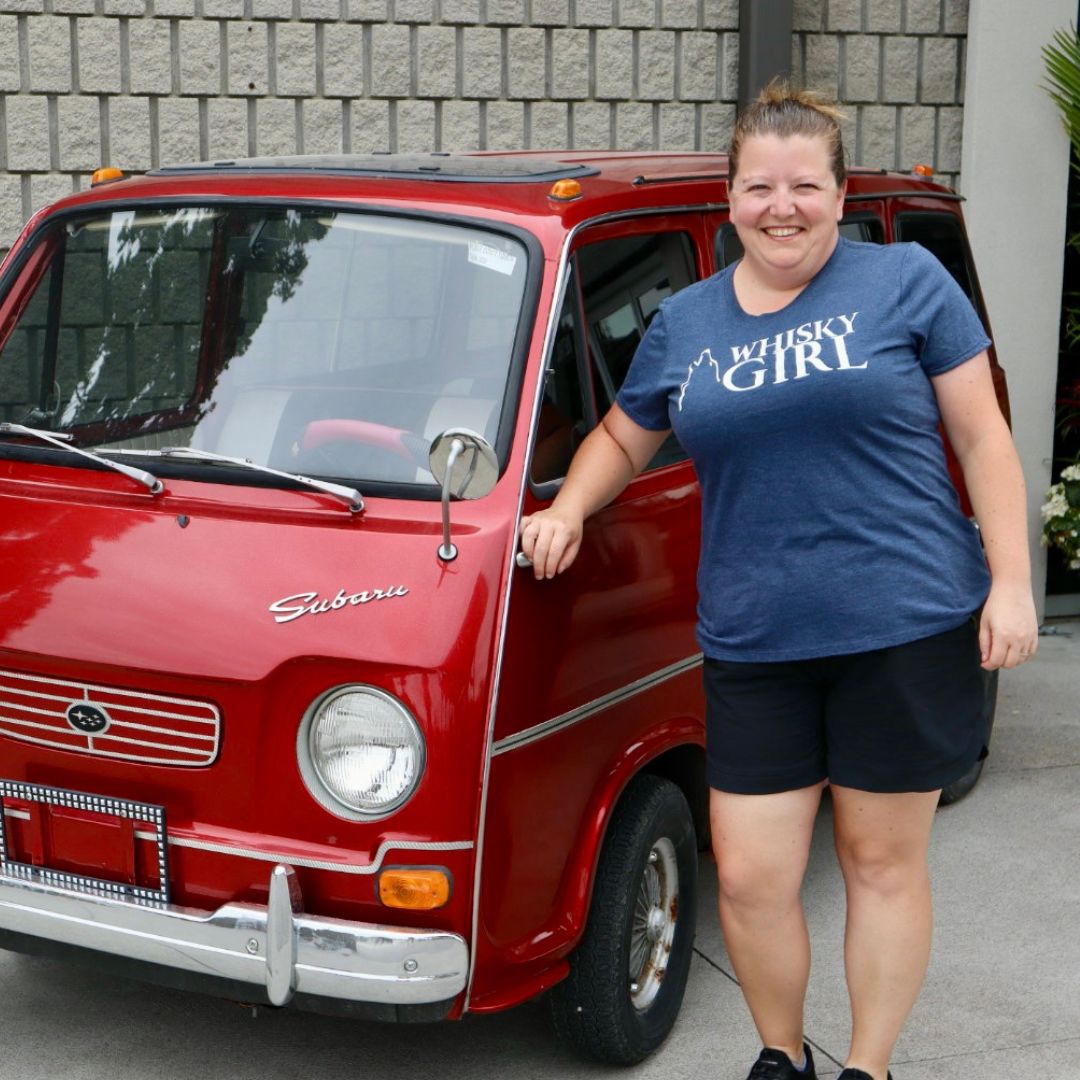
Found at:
<point>829,522</point>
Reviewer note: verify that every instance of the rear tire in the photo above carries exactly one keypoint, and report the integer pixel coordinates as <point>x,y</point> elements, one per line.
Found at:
<point>955,791</point>
<point>629,972</point>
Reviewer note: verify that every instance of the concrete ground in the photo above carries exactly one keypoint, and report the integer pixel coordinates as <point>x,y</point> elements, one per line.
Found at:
<point>1002,999</point>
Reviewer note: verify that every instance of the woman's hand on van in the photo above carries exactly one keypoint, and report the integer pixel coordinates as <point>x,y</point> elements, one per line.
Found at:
<point>551,539</point>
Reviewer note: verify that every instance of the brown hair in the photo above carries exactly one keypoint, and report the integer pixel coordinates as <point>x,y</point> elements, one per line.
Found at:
<point>784,111</point>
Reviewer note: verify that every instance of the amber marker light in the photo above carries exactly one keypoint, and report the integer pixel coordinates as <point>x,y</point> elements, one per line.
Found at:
<point>565,190</point>
<point>106,175</point>
<point>414,889</point>
<point>923,170</point>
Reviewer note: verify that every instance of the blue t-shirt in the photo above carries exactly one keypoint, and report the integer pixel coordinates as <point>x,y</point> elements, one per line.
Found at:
<point>829,522</point>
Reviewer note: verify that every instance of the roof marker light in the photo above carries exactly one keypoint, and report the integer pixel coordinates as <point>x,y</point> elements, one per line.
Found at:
<point>923,170</point>
<point>565,190</point>
<point>106,175</point>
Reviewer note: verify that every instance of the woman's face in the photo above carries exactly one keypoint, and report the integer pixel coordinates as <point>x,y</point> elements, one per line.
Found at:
<point>785,205</point>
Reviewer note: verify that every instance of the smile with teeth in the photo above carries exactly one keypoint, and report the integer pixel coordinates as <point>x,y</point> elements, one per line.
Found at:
<point>781,231</point>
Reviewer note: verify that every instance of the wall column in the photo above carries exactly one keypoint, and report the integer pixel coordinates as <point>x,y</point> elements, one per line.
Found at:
<point>1015,173</point>
<point>764,45</point>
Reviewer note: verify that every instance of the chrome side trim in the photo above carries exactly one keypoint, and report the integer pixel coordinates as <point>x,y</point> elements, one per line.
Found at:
<point>591,708</point>
<point>362,869</point>
<point>275,949</point>
<point>372,867</point>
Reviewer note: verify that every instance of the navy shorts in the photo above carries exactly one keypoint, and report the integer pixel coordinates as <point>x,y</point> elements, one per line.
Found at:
<point>905,718</point>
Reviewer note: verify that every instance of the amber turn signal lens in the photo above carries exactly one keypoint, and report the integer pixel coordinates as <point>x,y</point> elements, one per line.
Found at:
<point>416,890</point>
<point>923,170</point>
<point>565,190</point>
<point>103,176</point>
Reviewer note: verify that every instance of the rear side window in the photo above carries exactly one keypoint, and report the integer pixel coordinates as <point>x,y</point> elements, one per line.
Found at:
<point>941,235</point>
<point>616,289</point>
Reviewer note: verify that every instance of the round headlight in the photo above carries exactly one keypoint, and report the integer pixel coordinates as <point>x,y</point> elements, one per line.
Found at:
<point>360,751</point>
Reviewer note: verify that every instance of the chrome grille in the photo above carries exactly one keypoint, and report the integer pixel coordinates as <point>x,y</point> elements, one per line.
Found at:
<point>132,726</point>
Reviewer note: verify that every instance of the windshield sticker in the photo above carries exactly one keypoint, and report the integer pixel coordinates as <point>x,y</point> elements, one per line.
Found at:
<point>491,257</point>
<point>308,603</point>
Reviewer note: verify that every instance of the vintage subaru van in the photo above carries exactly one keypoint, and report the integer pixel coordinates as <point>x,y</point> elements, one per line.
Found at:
<point>281,715</point>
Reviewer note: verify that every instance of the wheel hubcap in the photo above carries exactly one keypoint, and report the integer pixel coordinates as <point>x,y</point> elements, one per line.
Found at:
<point>653,927</point>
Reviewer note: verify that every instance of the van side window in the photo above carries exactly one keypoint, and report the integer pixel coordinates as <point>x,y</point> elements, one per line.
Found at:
<point>619,285</point>
<point>862,227</point>
<point>941,235</point>
<point>623,282</point>
<point>565,415</point>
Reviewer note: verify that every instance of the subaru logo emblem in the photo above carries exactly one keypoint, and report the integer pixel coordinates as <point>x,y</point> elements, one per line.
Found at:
<point>88,719</point>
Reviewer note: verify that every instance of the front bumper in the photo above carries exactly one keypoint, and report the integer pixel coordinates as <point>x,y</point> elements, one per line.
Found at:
<point>276,950</point>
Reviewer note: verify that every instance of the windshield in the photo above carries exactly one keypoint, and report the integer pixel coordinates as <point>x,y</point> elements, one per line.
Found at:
<point>326,342</point>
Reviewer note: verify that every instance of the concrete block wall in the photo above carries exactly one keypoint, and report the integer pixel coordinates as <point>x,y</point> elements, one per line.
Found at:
<point>898,68</point>
<point>137,83</point>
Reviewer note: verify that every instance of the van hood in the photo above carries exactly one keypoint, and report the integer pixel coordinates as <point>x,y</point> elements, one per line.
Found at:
<point>198,590</point>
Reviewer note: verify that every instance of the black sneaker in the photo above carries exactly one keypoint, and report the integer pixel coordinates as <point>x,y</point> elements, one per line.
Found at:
<point>857,1074</point>
<point>776,1065</point>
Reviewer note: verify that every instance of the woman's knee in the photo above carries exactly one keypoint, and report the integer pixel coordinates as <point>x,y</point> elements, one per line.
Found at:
<point>882,839</point>
<point>761,844</point>
<point>881,865</point>
<point>755,883</point>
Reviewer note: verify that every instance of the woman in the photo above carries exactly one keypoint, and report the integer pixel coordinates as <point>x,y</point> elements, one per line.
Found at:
<point>807,383</point>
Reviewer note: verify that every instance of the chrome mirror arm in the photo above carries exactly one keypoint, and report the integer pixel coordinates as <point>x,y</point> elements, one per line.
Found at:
<point>447,550</point>
<point>477,467</point>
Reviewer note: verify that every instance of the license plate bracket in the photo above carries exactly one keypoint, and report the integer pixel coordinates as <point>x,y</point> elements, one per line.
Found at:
<point>57,837</point>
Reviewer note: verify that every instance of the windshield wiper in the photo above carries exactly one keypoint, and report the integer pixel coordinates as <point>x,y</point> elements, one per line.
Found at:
<point>62,440</point>
<point>350,496</point>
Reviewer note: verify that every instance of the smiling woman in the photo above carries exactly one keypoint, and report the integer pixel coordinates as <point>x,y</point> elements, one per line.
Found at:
<point>854,658</point>
<point>786,206</point>
<point>786,188</point>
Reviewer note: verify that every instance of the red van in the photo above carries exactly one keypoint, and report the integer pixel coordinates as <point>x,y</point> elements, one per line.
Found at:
<point>281,717</point>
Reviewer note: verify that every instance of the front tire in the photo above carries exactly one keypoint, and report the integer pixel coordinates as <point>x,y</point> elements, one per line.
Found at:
<point>629,972</point>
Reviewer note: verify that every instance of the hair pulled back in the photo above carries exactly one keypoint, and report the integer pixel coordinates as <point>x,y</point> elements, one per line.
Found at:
<point>784,111</point>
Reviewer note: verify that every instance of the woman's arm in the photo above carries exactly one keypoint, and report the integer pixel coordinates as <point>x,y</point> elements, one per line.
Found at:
<point>1008,633</point>
<point>614,452</point>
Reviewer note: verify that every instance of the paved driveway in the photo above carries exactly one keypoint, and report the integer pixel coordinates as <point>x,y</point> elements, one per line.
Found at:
<point>1002,1000</point>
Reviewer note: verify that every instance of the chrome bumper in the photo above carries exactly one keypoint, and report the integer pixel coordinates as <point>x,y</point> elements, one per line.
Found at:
<point>275,948</point>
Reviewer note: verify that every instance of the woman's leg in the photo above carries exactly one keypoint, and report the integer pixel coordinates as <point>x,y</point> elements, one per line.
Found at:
<point>882,842</point>
<point>761,844</point>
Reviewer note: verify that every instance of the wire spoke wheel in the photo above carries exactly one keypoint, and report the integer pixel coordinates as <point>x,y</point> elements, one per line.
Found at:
<point>629,971</point>
<point>652,931</point>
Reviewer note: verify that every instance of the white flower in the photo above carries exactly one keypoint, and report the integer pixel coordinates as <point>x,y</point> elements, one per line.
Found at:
<point>1056,505</point>
<point>1061,520</point>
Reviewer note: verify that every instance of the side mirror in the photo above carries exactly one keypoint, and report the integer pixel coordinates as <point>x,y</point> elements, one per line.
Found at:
<point>464,464</point>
